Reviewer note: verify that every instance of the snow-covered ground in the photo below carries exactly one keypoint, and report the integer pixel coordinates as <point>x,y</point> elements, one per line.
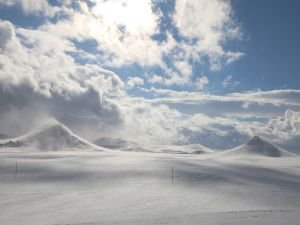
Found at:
<point>52,176</point>
<point>116,187</point>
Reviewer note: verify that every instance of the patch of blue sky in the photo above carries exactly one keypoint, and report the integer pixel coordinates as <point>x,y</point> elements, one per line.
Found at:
<point>16,16</point>
<point>272,50</point>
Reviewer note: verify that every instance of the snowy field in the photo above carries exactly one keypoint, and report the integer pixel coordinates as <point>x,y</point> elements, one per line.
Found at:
<point>115,187</point>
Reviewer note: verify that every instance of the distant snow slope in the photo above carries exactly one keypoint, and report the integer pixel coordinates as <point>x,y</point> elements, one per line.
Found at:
<point>258,146</point>
<point>130,146</point>
<point>51,136</point>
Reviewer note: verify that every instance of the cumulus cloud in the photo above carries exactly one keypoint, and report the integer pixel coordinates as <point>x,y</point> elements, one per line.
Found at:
<point>283,130</point>
<point>287,125</point>
<point>51,82</point>
<point>50,72</point>
<point>6,33</point>
<point>146,122</point>
<point>201,82</point>
<point>155,79</point>
<point>134,81</point>
<point>211,24</point>
<point>124,32</point>
<point>122,35</point>
<point>149,122</point>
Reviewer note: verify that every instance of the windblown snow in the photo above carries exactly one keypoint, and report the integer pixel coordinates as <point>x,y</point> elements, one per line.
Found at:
<point>51,136</point>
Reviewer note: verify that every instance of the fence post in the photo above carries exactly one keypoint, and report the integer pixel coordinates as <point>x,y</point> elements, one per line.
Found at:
<point>16,171</point>
<point>172,175</point>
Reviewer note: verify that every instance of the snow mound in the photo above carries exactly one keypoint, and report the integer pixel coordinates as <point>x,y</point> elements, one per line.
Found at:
<point>258,146</point>
<point>51,136</point>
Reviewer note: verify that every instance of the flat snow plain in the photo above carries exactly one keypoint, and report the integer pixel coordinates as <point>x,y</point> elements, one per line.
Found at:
<point>115,187</point>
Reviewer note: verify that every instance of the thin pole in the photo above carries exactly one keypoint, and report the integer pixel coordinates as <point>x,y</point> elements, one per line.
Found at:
<point>172,175</point>
<point>16,171</point>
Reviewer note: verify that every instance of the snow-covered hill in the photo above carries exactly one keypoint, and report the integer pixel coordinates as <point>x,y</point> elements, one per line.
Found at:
<point>51,136</point>
<point>258,147</point>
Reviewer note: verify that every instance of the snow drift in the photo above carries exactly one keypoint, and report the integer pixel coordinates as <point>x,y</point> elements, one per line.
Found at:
<point>52,136</point>
<point>258,146</point>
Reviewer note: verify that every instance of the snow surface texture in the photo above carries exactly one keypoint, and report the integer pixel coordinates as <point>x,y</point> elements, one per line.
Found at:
<point>51,136</point>
<point>134,188</point>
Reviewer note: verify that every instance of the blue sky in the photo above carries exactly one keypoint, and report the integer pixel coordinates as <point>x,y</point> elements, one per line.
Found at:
<point>272,47</point>
<point>168,72</point>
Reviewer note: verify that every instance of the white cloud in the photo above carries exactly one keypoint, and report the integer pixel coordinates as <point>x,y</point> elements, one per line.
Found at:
<point>229,82</point>
<point>148,124</point>
<point>6,33</point>
<point>155,79</point>
<point>259,104</point>
<point>287,125</point>
<point>49,81</point>
<point>49,70</point>
<point>201,82</point>
<point>135,16</point>
<point>44,41</point>
<point>211,24</point>
<point>123,33</point>
<point>184,68</point>
<point>152,122</point>
<point>120,41</point>
<point>134,81</point>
